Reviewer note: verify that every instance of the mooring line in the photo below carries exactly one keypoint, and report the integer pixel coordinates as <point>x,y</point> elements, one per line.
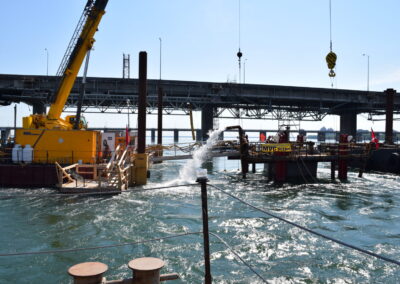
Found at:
<point>99,247</point>
<point>238,256</point>
<point>309,230</point>
<point>92,193</point>
<point>136,243</point>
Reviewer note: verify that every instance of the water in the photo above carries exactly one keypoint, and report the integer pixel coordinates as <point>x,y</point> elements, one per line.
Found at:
<point>364,212</point>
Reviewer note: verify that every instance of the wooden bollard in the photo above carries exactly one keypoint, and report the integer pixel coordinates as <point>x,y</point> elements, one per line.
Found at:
<point>146,270</point>
<point>88,272</point>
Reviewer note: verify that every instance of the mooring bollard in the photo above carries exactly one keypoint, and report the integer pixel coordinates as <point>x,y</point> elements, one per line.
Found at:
<point>88,272</point>
<point>146,270</point>
<point>202,179</point>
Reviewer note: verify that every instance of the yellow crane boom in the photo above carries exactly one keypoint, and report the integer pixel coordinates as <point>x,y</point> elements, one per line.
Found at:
<point>81,42</point>
<point>54,139</point>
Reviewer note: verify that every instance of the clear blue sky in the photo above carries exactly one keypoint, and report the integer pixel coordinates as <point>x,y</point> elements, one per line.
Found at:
<point>285,42</point>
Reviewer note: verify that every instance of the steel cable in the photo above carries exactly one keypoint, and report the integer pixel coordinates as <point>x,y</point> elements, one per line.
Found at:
<point>135,243</point>
<point>99,247</point>
<point>92,193</point>
<point>309,230</point>
<point>238,256</point>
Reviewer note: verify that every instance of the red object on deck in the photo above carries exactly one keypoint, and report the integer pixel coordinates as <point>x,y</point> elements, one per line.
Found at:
<point>374,139</point>
<point>127,137</point>
<point>262,137</point>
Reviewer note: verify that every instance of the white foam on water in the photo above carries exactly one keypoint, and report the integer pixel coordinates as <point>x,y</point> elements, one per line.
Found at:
<point>187,173</point>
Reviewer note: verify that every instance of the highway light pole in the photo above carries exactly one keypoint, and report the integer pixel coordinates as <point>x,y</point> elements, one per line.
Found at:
<point>47,62</point>
<point>128,103</point>
<point>367,70</point>
<point>160,55</point>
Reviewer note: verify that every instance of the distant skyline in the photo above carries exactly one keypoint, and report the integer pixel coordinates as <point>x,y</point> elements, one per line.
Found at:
<point>285,43</point>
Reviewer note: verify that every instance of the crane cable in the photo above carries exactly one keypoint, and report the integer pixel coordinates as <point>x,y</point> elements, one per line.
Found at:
<point>330,23</point>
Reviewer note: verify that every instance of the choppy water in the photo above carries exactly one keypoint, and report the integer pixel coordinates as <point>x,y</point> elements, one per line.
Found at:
<point>364,212</point>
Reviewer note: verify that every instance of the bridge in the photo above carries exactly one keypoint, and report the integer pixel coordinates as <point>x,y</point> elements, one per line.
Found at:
<point>214,100</point>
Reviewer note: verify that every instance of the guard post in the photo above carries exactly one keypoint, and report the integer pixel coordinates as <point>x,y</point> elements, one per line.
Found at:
<point>202,180</point>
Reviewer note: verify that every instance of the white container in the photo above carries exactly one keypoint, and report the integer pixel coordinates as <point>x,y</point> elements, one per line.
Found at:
<point>17,154</point>
<point>27,154</point>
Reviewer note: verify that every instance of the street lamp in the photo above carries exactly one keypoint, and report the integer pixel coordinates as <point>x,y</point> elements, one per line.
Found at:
<point>128,105</point>
<point>367,70</point>
<point>160,55</point>
<point>47,62</point>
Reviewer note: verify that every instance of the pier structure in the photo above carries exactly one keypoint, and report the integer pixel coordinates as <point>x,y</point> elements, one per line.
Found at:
<point>214,100</point>
<point>154,133</point>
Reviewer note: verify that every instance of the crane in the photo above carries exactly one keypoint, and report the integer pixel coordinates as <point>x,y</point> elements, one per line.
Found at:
<point>54,138</point>
<point>81,42</point>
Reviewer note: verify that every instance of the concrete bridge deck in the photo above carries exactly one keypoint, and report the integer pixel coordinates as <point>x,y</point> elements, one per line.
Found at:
<point>212,99</point>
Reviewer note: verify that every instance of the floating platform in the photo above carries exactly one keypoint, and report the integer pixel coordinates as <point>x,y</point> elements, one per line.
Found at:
<point>91,187</point>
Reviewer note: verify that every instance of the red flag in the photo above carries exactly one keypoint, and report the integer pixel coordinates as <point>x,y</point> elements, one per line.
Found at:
<point>374,139</point>
<point>127,137</point>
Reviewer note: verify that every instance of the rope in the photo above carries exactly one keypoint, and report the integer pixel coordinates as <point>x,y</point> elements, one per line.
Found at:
<point>134,243</point>
<point>239,26</point>
<point>92,193</point>
<point>98,247</point>
<point>307,170</point>
<point>309,230</point>
<point>238,256</point>
<point>301,171</point>
<point>330,23</point>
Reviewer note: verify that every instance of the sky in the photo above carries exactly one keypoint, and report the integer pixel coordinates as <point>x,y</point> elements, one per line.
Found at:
<point>284,43</point>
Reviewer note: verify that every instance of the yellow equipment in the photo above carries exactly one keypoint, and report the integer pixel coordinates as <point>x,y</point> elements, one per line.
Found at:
<point>50,132</point>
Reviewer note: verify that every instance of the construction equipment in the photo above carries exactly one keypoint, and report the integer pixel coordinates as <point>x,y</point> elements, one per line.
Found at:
<point>54,138</point>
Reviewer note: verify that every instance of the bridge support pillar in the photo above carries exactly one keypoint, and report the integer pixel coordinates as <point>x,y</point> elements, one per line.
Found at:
<point>389,115</point>
<point>176,135</point>
<point>207,121</point>
<point>38,108</point>
<point>348,123</point>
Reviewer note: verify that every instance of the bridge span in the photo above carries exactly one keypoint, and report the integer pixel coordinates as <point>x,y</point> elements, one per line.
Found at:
<point>212,99</point>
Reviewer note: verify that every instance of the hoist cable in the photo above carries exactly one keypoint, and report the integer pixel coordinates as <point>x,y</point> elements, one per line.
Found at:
<point>330,23</point>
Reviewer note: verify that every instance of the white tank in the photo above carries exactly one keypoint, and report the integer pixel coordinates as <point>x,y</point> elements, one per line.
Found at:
<point>27,154</point>
<point>17,154</point>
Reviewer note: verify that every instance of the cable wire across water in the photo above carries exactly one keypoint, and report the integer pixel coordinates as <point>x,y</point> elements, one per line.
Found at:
<point>308,230</point>
<point>92,193</point>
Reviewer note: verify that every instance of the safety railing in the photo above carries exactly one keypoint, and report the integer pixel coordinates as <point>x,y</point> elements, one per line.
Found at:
<point>179,149</point>
<point>306,149</point>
